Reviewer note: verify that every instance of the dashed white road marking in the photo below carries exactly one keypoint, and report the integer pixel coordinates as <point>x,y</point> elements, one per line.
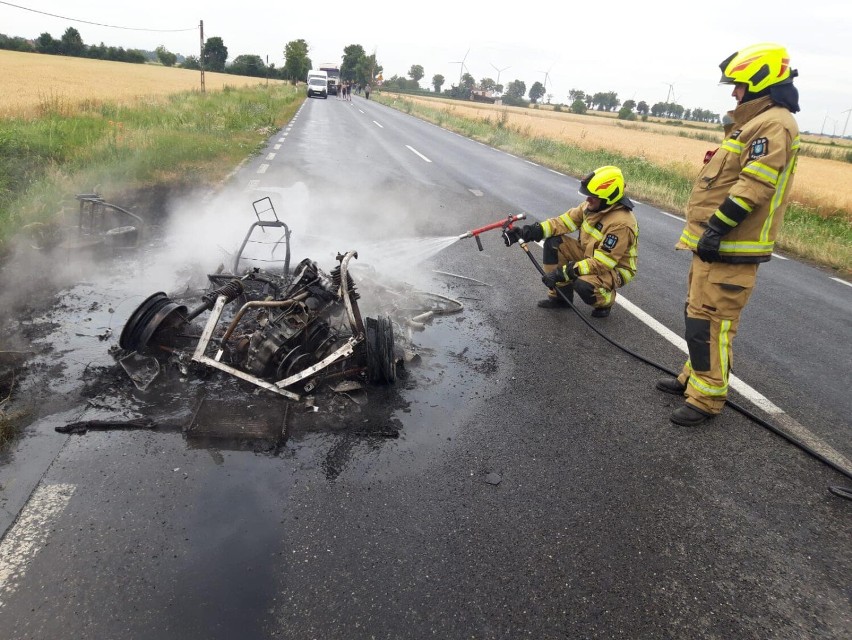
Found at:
<point>415,151</point>
<point>665,213</point>
<point>277,147</point>
<point>262,168</point>
<point>270,155</point>
<point>848,284</point>
<point>252,184</point>
<point>29,534</point>
<point>361,110</point>
<point>751,394</point>
<point>476,192</point>
<point>378,125</point>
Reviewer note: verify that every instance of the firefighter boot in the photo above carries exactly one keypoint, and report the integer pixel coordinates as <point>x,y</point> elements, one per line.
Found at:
<point>689,416</point>
<point>672,386</point>
<point>553,299</point>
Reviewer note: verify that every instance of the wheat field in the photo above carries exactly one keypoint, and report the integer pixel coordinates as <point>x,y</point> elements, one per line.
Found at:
<point>821,184</point>
<point>32,83</point>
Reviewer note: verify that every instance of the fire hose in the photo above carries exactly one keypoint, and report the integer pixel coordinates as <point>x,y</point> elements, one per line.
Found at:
<point>506,224</point>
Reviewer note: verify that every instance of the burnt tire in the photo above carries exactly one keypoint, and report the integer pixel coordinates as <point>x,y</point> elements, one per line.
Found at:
<point>381,362</point>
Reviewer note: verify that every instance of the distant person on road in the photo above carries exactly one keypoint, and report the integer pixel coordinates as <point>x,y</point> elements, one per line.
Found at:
<point>732,219</point>
<point>367,91</point>
<point>604,256</point>
<point>339,91</point>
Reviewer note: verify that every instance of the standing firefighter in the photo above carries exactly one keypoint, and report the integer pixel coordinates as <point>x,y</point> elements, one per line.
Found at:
<point>603,259</point>
<point>732,219</point>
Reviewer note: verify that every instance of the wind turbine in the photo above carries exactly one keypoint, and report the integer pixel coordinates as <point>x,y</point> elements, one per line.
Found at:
<point>546,80</point>
<point>671,93</point>
<point>843,135</point>
<point>499,71</point>
<point>462,68</point>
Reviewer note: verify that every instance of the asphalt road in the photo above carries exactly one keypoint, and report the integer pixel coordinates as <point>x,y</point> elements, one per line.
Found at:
<point>537,489</point>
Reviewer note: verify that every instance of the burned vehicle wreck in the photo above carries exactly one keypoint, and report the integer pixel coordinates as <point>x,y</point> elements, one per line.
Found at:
<point>281,329</point>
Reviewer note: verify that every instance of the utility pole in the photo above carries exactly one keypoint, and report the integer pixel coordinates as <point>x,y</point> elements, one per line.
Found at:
<point>201,54</point>
<point>267,70</point>
<point>843,135</point>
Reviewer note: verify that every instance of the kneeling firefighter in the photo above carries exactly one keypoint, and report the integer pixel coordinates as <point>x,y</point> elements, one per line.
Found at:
<point>603,259</point>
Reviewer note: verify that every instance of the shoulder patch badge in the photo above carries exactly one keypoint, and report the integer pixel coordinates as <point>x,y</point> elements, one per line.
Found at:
<point>610,241</point>
<point>599,226</point>
<point>735,134</point>
<point>758,148</point>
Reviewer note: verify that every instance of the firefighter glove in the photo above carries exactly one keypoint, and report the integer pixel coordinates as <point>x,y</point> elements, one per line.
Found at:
<point>511,236</point>
<point>560,276</point>
<point>708,245</point>
<point>532,232</point>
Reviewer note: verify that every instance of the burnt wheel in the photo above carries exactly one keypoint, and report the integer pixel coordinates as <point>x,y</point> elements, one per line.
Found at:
<point>381,363</point>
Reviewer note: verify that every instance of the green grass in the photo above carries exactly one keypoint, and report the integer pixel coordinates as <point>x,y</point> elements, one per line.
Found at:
<point>809,234</point>
<point>186,139</point>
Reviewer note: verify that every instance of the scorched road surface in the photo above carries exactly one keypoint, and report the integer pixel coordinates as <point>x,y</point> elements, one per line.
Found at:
<point>536,489</point>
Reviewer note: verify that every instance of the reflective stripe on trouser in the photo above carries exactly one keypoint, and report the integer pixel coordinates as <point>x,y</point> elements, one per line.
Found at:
<point>595,290</point>
<point>715,299</point>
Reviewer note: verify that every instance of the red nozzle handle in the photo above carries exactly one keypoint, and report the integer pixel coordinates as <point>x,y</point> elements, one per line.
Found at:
<point>500,224</point>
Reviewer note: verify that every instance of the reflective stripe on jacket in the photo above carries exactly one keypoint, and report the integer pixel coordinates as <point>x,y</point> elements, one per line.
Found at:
<point>742,191</point>
<point>610,239</point>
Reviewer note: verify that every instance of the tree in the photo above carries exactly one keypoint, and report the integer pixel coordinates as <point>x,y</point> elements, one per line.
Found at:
<point>468,82</point>
<point>71,43</point>
<point>46,44</point>
<point>438,81</point>
<point>248,65</point>
<point>576,94</point>
<point>642,107</point>
<point>214,54</point>
<point>416,73</point>
<point>296,60</point>
<point>191,62</point>
<point>516,89</point>
<point>353,55</point>
<point>368,70</point>
<point>166,57</point>
<point>536,92</point>
<point>579,106</point>
<point>487,84</point>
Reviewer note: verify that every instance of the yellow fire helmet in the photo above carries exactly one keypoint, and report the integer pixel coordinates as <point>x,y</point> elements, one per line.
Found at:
<point>606,183</point>
<point>758,66</point>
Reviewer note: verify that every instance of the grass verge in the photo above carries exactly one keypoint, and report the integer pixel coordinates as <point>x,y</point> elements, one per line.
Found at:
<point>809,234</point>
<point>183,139</point>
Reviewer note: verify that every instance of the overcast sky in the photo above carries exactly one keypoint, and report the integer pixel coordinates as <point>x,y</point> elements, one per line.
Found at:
<point>651,51</point>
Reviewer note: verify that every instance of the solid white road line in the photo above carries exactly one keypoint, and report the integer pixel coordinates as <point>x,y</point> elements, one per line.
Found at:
<point>415,151</point>
<point>751,394</point>
<point>29,534</point>
<point>848,284</point>
<point>378,125</point>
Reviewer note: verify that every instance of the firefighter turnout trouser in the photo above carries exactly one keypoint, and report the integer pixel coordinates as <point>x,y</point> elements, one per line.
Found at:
<point>717,293</point>
<point>597,290</point>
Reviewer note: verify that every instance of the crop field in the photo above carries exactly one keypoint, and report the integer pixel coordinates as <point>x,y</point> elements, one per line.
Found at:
<point>821,184</point>
<point>35,84</point>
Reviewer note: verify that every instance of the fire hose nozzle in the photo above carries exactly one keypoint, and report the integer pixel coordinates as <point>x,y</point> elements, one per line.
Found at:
<point>504,224</point>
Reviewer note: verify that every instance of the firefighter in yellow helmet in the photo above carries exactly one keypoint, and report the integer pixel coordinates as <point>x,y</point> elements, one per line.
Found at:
<point>603,257</point>
<point>732,220</point>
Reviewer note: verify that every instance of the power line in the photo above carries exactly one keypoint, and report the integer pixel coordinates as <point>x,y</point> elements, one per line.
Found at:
<point>97,24</point>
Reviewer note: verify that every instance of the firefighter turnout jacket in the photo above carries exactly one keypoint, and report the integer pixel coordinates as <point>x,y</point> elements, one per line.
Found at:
<point>743,188</point>
<point>609,240</point>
